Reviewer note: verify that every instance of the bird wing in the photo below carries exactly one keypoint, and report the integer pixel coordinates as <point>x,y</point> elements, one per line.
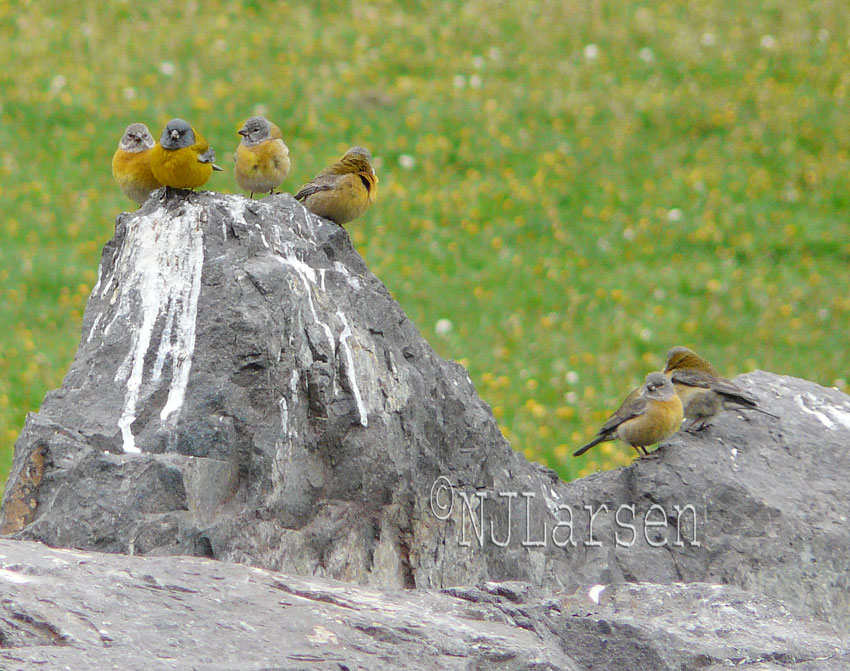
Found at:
<point>321,182</point>
<point>634,405</point>
<point>727,388</point>
<point>208,156</point>
<point>692,377</point>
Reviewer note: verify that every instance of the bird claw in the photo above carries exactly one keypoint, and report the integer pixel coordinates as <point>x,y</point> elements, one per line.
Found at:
<point>695,427</point>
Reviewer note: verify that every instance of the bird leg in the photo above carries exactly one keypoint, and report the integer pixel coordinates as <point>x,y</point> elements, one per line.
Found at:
<point>695,425</point>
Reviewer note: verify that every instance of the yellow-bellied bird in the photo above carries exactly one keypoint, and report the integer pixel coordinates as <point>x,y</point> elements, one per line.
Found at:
<point>703,390</point>
<point>262,157</point>
<point>182,159</point>
<point>649,414</point>
<point>343,190</point>
<point>131,163</point>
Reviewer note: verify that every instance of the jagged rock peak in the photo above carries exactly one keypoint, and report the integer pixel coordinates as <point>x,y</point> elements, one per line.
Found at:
<point>245,388</point>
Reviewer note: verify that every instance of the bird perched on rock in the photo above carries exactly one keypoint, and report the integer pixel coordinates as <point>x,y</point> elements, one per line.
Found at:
<point>131,163</point>
<point>649,414</point>
<point>262,157</point>
<point>343,190</point>
<point>704,392</point>
<point>182,159</point>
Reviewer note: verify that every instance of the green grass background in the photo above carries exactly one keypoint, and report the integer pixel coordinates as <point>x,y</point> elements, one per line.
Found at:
<point>576,186</point>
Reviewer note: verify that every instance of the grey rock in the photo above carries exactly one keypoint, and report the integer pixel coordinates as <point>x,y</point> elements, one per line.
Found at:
<point>245,389</point>
<point>80,610</point>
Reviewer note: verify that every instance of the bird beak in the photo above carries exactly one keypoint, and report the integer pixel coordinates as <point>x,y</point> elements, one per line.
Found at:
<point>243,132</point>
<point>175,135</point>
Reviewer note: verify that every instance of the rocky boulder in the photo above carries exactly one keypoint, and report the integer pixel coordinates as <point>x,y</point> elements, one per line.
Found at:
<point>245,389</point>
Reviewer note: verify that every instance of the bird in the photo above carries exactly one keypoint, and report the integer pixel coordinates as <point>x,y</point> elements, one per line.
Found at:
<point>131,163</point>
<point>262,157</point>
<point>182,159</point>
<point>649,414</point>
<point>342,191</point>
<point>703,390</point>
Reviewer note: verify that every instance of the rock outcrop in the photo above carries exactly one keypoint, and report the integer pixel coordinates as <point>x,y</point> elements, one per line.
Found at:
<point>63,609</point>
<point>245,389</point>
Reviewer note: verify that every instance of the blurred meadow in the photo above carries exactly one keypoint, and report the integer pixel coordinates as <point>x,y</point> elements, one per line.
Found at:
<point>567,188</point>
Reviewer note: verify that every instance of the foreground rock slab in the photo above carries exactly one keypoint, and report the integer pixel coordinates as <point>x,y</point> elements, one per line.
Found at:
<point>80,610</point>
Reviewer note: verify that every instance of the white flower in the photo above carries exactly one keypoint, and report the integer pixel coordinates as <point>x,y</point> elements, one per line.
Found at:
<point>407,162</point>
<point>58,84</point>
<point>443,326</point>
<point>572,377</point>
<point>674,215</point>
<point>475,81</point>
<point>167,68</point>
<point>708,40</point>
<point>459,81</point>
<point>768,42</point>
<point>591,52</point>
<point>646,55</point>
<point>478,62</point>
<point>129,93</point>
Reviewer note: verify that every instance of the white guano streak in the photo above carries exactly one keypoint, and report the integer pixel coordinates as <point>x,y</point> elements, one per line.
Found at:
<point>826,421</point>
<point>160,263</point>
<point>839,415</point>
<point>349,368</point>
<point>309,279</point>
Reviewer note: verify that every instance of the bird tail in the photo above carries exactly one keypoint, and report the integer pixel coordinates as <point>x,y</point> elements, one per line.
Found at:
<point>763,412</point>
<point>584,448</point>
